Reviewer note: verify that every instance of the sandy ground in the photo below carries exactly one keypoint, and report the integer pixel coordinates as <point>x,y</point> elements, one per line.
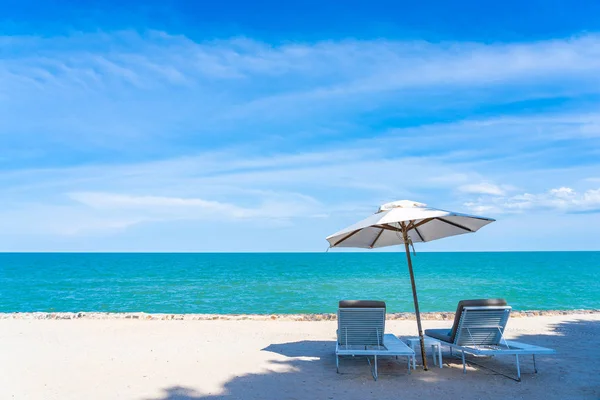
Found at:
<point>137,359</point>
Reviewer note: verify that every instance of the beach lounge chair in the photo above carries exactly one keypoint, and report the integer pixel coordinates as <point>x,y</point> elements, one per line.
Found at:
<point>361,332</point>
<point>479,330</point>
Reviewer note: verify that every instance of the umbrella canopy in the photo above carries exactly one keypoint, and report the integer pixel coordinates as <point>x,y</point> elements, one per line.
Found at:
<point>405,222</point>
<point>423,224</point>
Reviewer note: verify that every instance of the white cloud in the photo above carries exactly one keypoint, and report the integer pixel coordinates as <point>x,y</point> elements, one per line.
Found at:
<point>562,199</point>
<point>170,205</point>
<point>241,77</point>
<point>126,95</point>
<point>327,189</point>
<point>282,188</point>
<point>273,207</point>
<point>246,183</point>
<point>251,130</point>
<point>206,174</point>
<point>104,212</point>
<point>136,58</point>
<point>41,219</point>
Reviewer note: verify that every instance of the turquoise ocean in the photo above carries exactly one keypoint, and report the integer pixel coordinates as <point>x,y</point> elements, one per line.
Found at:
<point>265,283</point>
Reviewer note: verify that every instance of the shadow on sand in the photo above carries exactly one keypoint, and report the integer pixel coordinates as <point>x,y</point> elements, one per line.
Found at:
<point>309,373</point>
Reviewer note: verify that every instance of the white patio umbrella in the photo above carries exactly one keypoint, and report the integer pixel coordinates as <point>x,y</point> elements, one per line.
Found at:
<point>406,222</point>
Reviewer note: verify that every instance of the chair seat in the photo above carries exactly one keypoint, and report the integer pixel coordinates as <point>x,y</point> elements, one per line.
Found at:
<point>392,347</point>
<point>479,330</point>
<point>440,334</point>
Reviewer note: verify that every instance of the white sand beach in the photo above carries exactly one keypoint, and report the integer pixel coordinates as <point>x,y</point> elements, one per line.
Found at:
<point>249,359</point>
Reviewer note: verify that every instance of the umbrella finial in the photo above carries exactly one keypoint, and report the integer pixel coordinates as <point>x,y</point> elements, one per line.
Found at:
<point>401,204</point>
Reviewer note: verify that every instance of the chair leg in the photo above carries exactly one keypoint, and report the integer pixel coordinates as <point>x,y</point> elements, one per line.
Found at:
<point>374,370</point>
<point>534,366</point>
<point>433,354</point>
<point>440,354</point>
<point>518,369</point>
<point>337,363</point>
<point>464,363</point>
<point>409,357</point>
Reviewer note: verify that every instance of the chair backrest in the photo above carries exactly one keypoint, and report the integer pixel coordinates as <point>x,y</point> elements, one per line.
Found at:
<point>472,303</point>
<point>480,326</point>
<point>361,322</point>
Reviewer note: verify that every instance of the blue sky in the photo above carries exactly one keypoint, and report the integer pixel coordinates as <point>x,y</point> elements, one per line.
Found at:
<point>238,126</point>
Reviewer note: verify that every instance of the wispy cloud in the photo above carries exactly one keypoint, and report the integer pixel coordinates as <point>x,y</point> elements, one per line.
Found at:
<point>273,207</point>
<point>113,131</point>
<point>97,212</point>
<point>135,58</point>
<point>281,189</point>
<point>563,199</point>
<point>112,89</point>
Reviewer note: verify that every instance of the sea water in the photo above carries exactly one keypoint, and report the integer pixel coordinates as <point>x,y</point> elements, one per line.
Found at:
<point>265,283</point>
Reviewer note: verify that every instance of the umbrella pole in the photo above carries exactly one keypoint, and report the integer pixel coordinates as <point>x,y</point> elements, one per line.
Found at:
<point>414,290</point>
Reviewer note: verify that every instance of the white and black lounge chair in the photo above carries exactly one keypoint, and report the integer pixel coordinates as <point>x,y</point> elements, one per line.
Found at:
<point>479,330</point>
<point>361,332</point>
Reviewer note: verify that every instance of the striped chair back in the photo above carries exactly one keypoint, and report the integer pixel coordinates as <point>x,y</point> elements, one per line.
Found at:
<point>361,326</point>
<point>482,326</point>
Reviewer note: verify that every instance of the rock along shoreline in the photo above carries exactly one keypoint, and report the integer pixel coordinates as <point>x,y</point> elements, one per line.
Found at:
<point>258,317</point>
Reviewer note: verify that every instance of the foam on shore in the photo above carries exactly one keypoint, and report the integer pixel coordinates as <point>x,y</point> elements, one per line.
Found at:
<point>262,317</point>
